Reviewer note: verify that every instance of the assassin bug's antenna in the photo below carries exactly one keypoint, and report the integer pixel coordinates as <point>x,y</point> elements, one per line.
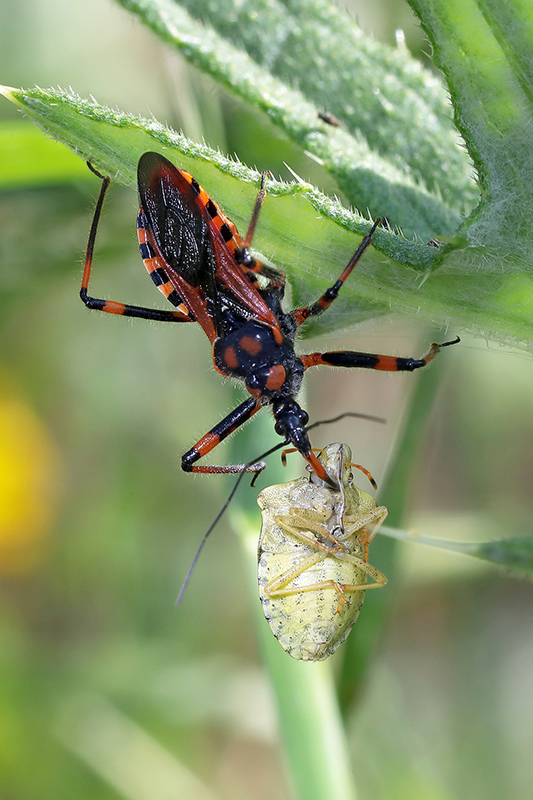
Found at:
<point>243,472</point>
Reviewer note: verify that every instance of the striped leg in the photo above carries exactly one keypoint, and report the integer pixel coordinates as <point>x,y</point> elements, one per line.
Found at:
<point>110,306</point>
<point>350,358</point>
<point>216,435</point>
<point>242,255</point>
<point>331,294</point>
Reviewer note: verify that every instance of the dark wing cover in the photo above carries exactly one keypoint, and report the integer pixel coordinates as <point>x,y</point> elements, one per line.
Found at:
<point>180,229</point>
<point>192,246</point>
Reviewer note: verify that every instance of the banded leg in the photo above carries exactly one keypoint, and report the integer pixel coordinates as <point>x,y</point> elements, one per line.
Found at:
<point>242,256</point>
<point>254,267</point>
<point>331,294</point>
<point>350,358</point>
<point>216,435</point>
<point>110,306</point>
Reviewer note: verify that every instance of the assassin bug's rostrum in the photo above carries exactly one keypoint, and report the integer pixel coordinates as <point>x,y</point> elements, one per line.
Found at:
<point>197,259</point>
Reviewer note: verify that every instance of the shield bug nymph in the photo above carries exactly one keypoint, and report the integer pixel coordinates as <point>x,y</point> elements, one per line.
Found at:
<point>312,554</point>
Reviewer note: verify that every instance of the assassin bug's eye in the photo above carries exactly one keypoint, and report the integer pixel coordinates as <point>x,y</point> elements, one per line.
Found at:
<point>279,427</point>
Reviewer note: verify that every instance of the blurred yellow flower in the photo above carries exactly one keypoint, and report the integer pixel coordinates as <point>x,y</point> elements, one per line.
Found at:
<point>29,479</point>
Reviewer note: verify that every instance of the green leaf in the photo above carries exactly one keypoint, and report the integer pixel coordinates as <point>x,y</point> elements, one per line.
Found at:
<point>395,118</point>
<point>27,158</point>
<point>515,555</point>
<point>484,50</point>
<point>289,229</point>
<point>396,149</point>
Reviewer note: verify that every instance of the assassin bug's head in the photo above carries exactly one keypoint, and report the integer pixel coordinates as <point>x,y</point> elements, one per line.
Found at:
<point>290,423</point>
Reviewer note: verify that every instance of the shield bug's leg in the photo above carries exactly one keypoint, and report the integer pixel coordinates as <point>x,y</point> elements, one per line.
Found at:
<point>286,451</point>
<point>368,569</point>
<point>350,358</point>
<point>216,435</point>
<point>303,523</point>
<point>280,586</point>
<point>364,470</point>
<point>331,294</point>
<point>110,306</point>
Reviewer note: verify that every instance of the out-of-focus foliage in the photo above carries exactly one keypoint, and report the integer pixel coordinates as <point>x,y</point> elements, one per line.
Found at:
<point>106,689</point>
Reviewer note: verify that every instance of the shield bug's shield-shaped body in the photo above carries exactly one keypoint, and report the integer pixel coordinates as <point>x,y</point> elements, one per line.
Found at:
<point>312,555</point>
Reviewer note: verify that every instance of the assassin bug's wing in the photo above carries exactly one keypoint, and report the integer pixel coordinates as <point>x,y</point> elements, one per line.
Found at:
<point>197,242</point>
<point>179,236</point>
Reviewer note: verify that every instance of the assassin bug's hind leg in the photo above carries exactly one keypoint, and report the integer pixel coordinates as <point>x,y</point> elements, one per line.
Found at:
<point>110,306</point>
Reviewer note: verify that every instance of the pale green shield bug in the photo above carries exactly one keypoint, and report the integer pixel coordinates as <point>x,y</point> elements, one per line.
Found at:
<point>312,556</point>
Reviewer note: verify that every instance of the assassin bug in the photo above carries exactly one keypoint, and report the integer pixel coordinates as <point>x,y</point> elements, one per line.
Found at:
<point>197,259</point>
<point>313,556</point>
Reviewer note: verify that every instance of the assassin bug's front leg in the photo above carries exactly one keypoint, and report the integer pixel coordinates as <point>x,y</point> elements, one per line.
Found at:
<point>223,429</point>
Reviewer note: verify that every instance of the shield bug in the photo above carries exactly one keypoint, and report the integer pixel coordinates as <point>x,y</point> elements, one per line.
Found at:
<point>313,556</point>
<point>197,259</point>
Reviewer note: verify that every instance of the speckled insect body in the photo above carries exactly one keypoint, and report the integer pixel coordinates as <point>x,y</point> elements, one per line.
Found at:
<point>312,556</point>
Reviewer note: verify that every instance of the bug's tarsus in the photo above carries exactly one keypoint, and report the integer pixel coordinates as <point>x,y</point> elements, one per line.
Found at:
<point>447,344</point>
<point>98,174</point>
<point>259,200</point>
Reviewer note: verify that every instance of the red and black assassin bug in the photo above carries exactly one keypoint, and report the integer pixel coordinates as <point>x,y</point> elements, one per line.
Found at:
<point>197,259</point>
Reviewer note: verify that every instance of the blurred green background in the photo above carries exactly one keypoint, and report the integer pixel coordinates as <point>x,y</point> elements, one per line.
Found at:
<point>106,689</point>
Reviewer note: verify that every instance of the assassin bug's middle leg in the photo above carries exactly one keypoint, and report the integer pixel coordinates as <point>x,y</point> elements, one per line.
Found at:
<point>197,259</point>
